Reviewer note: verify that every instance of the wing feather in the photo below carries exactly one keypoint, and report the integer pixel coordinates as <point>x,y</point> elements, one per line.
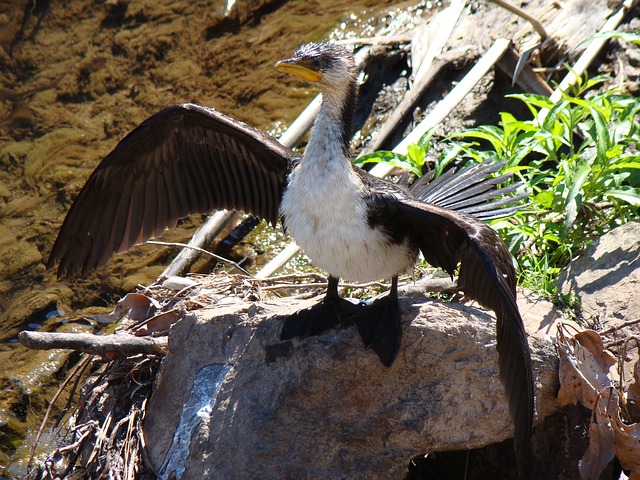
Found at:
<point>184,159</point>
<point>486,274</point>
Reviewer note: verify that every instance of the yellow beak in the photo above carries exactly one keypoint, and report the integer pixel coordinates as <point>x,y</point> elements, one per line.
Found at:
<point>296,68</point>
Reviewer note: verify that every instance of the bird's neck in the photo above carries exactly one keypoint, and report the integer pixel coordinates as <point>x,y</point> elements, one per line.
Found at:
<point>330,139</point>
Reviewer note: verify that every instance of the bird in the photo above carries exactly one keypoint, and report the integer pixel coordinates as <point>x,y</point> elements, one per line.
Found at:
<point>189,158</point>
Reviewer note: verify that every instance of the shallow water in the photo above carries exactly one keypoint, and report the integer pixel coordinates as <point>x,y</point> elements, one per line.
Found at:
<point>75,77</point>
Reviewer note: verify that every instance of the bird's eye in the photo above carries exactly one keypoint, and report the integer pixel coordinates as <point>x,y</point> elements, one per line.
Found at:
<point>316,63</point>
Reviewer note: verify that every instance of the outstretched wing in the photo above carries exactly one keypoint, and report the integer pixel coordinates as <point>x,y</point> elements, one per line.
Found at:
<point>184,159</point>
<point>448,239</point>
<point>471,190</point>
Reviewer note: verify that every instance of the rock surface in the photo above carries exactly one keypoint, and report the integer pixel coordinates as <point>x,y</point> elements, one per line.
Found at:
<point>606,278</point>
<point>233,402</point>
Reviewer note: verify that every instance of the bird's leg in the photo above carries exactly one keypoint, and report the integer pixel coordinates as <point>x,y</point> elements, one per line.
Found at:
<point>380,325</point>
<point>331,311</point>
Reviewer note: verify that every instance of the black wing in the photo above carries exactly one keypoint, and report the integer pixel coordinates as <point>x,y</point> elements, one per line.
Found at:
<point>184,159</point>
<point>471,190</point>
<point>448,239</point>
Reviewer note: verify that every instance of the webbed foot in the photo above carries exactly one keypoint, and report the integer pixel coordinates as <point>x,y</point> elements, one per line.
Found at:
<point>331,311</point>
<point>321,317</point>
<point>380,325</point>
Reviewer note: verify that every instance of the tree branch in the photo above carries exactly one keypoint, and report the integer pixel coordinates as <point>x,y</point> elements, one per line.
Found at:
<point>121,343</point>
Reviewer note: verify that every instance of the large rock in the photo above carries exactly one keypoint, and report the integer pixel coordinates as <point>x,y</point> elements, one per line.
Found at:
<point>606,278</point>
<point>234,402</point>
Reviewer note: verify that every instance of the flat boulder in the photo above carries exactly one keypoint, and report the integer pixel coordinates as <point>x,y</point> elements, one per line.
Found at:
<point>232,401</point>
<point>606,278</point>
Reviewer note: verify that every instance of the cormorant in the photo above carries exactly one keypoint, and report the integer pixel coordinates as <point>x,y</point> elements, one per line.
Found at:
<point>188,158</point>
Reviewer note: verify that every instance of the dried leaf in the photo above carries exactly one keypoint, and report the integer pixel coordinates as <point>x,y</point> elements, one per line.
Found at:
<point>159,323</point>
<point>627,443</point>
<point>139,306</point>
<point>592,341</point>
<point>633,392</point>
<point>600,450</point>
<point>570,380</point>
<point>584,366</point>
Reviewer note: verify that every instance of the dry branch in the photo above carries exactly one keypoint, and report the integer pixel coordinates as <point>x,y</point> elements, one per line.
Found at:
<point>427,71</point>
<point>121,343</point>
<point>591,52</point>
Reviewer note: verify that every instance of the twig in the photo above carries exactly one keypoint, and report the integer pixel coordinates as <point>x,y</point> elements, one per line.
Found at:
<point>78,442</point>
<point>284,286</point>
<point>51,404</point>
<point>95,344</point>
<point>292,277</point>
<point>537,26</point>
<point>201,250</point>
<point>619,327</point>
<point>72,392</point>
<point>204,236</point>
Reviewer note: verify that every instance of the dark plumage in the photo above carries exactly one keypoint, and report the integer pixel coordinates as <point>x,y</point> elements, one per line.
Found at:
<point>187,159</point>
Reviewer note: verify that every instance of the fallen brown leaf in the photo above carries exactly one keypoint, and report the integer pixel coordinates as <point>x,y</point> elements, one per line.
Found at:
<point>584,366</point>
<point>627,444</point>
<point>601,449</point>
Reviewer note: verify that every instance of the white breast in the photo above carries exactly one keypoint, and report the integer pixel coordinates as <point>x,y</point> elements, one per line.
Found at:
<point>326,216</point>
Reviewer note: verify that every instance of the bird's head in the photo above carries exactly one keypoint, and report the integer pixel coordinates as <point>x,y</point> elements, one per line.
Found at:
<point>328,65</point>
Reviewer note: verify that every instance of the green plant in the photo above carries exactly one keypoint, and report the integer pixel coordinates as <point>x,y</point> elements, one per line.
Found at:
<point>580,159</point>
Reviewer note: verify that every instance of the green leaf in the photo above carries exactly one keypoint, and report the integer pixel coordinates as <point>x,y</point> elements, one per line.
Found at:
<point>448,155</point>
<point>603,140</point>
<point>544,199</point>
<point>415,157</point>
<point>394,159</point>
<point>490,133</point>
<point>625,164</point>
<point>630,36</point>
<point>629,195</point>
<point>574,200</point>
<point>532,100</point>
<point>377,157</point>
<point>425,140</point>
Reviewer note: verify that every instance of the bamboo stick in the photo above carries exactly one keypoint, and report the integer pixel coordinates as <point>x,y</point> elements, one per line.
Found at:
<point>425,74</point>
<point>592,51</point>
